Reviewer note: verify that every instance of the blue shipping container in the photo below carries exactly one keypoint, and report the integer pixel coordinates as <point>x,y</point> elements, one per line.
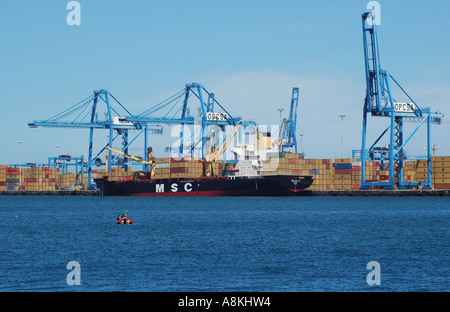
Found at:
<point>343,166</point>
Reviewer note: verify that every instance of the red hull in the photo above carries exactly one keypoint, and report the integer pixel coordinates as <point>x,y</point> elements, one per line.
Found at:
<point>126,221</point>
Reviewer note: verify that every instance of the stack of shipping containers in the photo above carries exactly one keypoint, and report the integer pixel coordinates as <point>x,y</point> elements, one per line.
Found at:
<point>12,178</point>
<point>3,178</point>
<point>191,167</point>
<point>409,171</point>
<point>39,178</point>
<point>329,174</point>
<point>356,175</point>
<point>441,172</point>
<point>343,173</point>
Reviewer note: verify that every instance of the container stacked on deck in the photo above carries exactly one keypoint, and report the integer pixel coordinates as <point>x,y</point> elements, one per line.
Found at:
<point>294,164</point>
<point>162,168</point>
<point>285,164</point>
<point>98,173</point>
<point>276,163</point>
<point>282,163</point>
<point>116,174</point>
<point>441,172</point>
<point>187,167</point>
<point>343,173</point>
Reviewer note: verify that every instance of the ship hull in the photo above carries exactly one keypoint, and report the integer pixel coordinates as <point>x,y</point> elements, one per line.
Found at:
<point>276,185</point>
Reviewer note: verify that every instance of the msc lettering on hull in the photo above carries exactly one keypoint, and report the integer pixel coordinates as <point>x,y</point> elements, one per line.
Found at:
<point>174,187</point>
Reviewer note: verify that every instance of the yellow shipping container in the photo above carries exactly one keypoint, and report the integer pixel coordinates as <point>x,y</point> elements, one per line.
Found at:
<point>441,170</point>
<point>344,160</point>
<point>440,164</point>
<point>163,160</point>
<point>440,158</point>
<point>441,175</point>
<point>162,171</point>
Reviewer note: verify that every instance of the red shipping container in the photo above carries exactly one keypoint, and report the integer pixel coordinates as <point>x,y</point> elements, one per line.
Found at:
<point>442,186</point>
<point>343,171</point>
<point>179,170</point>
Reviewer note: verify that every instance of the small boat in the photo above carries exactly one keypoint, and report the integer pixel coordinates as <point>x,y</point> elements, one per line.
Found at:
<point>125,221</point>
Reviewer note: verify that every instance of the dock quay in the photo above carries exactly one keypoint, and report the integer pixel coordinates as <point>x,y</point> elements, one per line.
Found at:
<point>371,192</point>
<point>380,192</point>
<point>52,192</point>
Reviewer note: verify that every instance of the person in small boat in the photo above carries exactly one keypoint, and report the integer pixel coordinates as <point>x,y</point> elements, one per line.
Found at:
<point>124,215</point>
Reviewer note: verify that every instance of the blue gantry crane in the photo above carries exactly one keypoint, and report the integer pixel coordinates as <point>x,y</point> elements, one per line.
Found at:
<point>286,134</point>
<point>380,102</point>
<point>63,162</point>
<point>119,121</point>
<point>85,115</point>
<point>177,110</point>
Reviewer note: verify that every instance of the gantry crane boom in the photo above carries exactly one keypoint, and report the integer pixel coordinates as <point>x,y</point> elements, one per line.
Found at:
<point>84,114</point>
<point>175,110</point>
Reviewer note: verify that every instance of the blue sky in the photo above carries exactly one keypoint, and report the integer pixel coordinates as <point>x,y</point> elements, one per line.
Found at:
<point>249,53</point>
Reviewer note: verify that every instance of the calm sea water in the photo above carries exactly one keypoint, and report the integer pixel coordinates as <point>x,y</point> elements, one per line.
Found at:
<point>224,244</point>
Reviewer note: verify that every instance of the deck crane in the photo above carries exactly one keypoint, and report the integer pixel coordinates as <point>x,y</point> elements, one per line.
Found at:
<point>85,115</point>
<point>286,134</point>
<point>379,101</point>
<point>213,155</point>
<point>151,161</point>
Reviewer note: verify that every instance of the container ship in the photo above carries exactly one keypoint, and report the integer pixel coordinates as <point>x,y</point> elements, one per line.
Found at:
<point>245,177</point>
<point>275,185</point>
